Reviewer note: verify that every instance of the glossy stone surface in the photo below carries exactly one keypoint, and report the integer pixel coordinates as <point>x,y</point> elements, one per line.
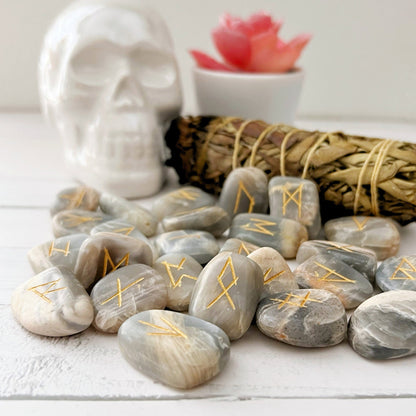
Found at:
<point>185,198</point>
<point>227,292</point>
<point>211,219</point>
<point>133,213</point>
<point>244,190</point>
<point>103,253</point>
<point>180,272</point>
<point>120,227</point>
<point>282,234</point>
<point>303,317</point>
<point>360,259</point>
<point>201,245</point>
<point>176,349</point>
<point>384,326</point>
<point>235,245</point>
<point>297,199</point>
<point>277,276</point>
<point>397,273</point>
<point>76,221</point>
<point>78,197</point>
<point>52,303</point>
<point>325,271</point>
<point>378,234</point>
<point>125,292</point>
<point>62,252</point>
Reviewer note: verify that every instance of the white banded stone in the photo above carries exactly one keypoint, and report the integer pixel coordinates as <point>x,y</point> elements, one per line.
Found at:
<point>397,273</point>
<point>125,292</point>
<point>303,317</point>
<point>235,245</point>
<point>227,292</point>
<point>277,276</point>
<point>324,271</point>
<point>201,245</point>
<point>244,190</point>
<point>378,234</point>
<point>175,349</point>
<point>360,259</point>
<point>180,272</point>
<point>52,303</point>
<point>183,199</point>
<point>297,199</point>
<point>129,211</point>
<point>78,197</point>
<point>103,253</point>
<point>384,326</point>
<point>282,234</point>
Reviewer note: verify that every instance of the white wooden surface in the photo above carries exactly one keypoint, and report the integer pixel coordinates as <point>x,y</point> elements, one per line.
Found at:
<point>88,367</point>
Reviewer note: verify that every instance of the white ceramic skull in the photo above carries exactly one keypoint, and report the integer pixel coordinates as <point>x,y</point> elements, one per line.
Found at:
<point>109,81</point>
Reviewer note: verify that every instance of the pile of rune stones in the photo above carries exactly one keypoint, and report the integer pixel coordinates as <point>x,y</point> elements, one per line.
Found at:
<point>176,298</point>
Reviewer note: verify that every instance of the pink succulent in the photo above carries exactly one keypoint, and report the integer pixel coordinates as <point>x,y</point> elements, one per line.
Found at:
<point>252,45</point>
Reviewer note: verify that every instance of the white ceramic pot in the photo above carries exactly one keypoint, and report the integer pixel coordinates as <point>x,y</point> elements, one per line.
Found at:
<point>270,97</point>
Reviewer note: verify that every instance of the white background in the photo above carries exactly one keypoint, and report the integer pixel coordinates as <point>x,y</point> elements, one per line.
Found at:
<point>361,62</point>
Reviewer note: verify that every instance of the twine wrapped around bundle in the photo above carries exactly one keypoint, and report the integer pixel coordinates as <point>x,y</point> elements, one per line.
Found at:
<point>355,175</point>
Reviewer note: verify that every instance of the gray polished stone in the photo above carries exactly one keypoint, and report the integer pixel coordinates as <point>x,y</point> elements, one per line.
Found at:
<point>360,259</point>
<point>235,245</point>
<point>378,234</point>
<point>297,199</point>
<point>52,303</point>
<point>211,219</point>
<point>103,253</point>
<point>62,252</point>
<point>78,197</point>
<point>304,317</point>
<point>180,272</point>
<point>384,326</point>
<point>129,211</point>
<point>397,273</point>
<point>175,349</point>
<point>76,221</point>
<point>325,271</point>
<point>183,199</point>
<point>244,190</point>
<point>277,276</point>
<point>120,227</point>
<point>282,234</point>
<point>125,292</point>
<point>201,245</point>
<point>227,292</point>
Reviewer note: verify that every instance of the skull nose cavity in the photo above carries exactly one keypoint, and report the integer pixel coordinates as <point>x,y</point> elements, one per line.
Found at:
<point>128,95</point>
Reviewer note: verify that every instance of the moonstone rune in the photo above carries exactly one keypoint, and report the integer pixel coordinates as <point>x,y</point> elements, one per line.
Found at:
<point>226,293</point>
<point>176,349</point>
<point>125,292</point>
<point>238,246</point>
<point>303,317</point>
<point>384,326</point>
<point>397,273</point>
<point>79,197</point>
<point>297,199</point>
<point>53,303</point>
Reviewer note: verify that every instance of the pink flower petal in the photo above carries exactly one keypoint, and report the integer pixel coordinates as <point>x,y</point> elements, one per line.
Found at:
<point>260,22</point>
<point>263,46</point>
<point>233,46</point>
<point>205,61</point>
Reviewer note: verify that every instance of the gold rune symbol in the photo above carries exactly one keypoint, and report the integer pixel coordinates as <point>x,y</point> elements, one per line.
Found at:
<point>108,259</point>
<point>360,225</point>
<point>179,266</point>
<point>337,277</point>
<point>75,198</point>
<point>47,291</point>
<point>179,237</point>
<point>243,248</point>
<point>257,225</point>
<point>190,195</point>
<point>172,331</point>
<point>287,197</point>
<point>406,271</point>
<point>125,231</point>
<point>74,220</point>
<point>267,279</point>
<point>228,263</point>
<point>243,189</point>
<point>60,250</point>
<point>120,291</point>
<point>336,246</point>
<point>302,303</point>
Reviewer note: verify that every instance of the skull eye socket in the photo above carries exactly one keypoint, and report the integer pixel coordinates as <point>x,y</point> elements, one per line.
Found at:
<point>97,64</point>
<point>154,69</point>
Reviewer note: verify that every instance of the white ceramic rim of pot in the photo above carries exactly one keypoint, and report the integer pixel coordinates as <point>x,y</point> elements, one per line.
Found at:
<point>293,73</point>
